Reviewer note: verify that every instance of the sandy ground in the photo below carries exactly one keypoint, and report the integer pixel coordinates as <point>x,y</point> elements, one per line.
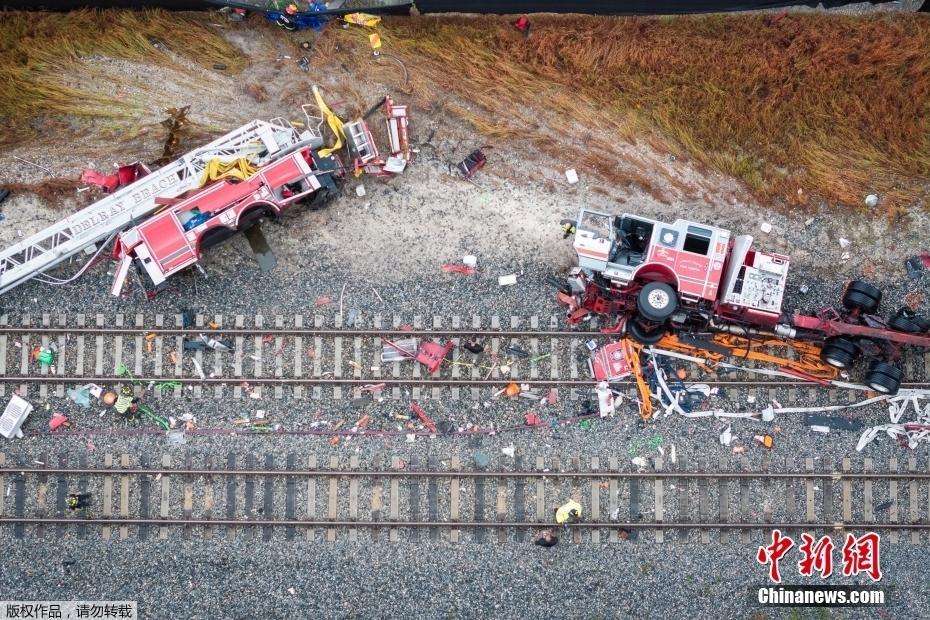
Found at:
<point>520,195</point>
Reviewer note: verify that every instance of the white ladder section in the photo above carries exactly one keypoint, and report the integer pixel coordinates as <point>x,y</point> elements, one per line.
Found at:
<point>259,140</point>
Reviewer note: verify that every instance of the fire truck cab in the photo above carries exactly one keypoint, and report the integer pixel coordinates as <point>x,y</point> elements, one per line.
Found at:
<point>655,272</point>
<point>175,238</point>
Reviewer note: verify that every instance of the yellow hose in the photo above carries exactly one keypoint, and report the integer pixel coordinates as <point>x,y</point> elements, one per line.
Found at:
<point>333,121</point>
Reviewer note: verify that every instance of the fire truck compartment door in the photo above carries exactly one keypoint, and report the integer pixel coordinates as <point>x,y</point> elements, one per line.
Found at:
<point>594,239</point>
<point>166,249</point>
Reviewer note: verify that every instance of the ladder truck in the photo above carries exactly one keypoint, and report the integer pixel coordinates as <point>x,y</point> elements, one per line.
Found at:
<point>691,279</point>
<point>259,142</point>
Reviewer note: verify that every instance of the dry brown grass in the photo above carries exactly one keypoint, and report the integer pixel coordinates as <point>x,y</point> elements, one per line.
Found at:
<point>834,105</point>
<point>43,57</point>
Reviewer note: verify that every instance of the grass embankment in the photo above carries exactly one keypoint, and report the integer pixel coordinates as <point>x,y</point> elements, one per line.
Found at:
<point>43,66</point>
<point>835,106</point>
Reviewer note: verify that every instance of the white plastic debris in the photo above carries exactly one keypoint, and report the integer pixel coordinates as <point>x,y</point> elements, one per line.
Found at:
<point>508,451</point>
<point>16,412</point>
<point>726,436</point>
<point>260,414</point>
<point>871,200</point>
<point>640,462</point>
<point>844,243</point>
<point>820,429</point>
<point>766,227</point>
<point>673,455</point>
<point>470,261</point>
<point>199,369</point>
<point>411,438</point>
<point>572,176</point>
<point>605,399</point>
<point>360,191</point>
<point>507,280</point>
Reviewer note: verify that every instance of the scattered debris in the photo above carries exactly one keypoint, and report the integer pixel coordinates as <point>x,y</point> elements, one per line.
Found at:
<point>4,194</point>
<point>360,191</point>
<point>844,243</point>
<point>509,451</point>
<point>832,422</point>
<point>81,395</point>
<point>765,440</point>
<point>766,227</point>
<point>423,417</point>
<point>884,506</point>
<point>871,200</point>
<point>609,363</point>
<point>470,261</point>
<point>471,164</point>
<point>640,462</point>
<point>463,269</point>
<point>726,437</point>
<point>507,280</point>
<point>58,421</point>
<point>572,176</point>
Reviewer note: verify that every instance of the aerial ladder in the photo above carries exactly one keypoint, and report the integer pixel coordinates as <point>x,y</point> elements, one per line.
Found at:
<point>258,141</point>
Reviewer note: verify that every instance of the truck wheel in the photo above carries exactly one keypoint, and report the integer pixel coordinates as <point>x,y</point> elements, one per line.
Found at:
<point>884,378</point>
<point>908,321</point>
<point>839,352</point>
<point>862,296</point>
<point>657,301</point>
<point>641,335</point>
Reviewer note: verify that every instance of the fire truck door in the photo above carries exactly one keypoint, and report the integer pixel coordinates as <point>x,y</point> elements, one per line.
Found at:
<point>165,249</point>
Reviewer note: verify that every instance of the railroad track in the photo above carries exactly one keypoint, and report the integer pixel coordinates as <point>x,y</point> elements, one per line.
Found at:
<point>295,497</point>
<point>291,354</point>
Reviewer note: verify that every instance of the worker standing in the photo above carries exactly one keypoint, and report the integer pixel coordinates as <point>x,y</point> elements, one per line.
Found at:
<point>126,405</point>
<point>78,500</point>
<point>569,512</point>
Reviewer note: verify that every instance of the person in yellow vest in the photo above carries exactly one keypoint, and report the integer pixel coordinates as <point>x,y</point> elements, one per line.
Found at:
<point>569,512</point>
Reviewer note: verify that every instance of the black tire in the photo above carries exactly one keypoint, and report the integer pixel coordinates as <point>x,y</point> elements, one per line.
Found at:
<point>862,296</point>
<point>657,301</point>
<point>884,378</point>
<point>641,335</point>
<point>839,352</point>
<point>906,320</point>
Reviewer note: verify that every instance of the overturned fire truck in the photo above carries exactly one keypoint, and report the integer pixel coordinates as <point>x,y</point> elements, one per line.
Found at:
<point>162,220</point>
<point>688,278</point>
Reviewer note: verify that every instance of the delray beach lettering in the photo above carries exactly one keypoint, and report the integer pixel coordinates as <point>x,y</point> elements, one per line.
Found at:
<point>152,188</point>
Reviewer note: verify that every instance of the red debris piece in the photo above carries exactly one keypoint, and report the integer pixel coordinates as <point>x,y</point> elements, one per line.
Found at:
<point>111,182</point>
<point>322,301</point>
<point>267,338</point>
<point>463,269</point>
<point>406,327</point>
<point>362,424</point>
<point>532,419</point>
<point>925,259</point>
<point>522,24</point>
<point>423,417</point>
<point>553,396</point>
<point>57,421</point>
<point>431,354</point>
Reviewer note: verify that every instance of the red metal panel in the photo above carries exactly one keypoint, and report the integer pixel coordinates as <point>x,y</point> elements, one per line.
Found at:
<point>165,239</point>
<point>280,172</point>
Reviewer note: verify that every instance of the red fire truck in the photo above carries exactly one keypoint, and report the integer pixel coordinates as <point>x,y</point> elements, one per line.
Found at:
<point>655,277</point>
<point>175,238</point>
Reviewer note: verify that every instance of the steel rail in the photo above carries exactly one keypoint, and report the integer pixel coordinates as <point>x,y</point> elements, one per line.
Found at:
<point>394,473</point>
<point>291,331</point>
<point>640,525</point>
<point>391,381</point>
